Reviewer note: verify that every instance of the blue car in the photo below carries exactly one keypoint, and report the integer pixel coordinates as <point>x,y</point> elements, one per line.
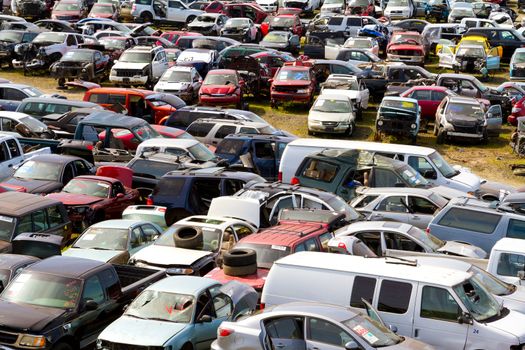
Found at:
<point>178,312</point>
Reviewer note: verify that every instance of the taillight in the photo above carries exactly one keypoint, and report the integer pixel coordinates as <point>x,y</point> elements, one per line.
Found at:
<point>427,230</point>
<point>224,332</point>
<point>341,245</point>
<point>280,176</point>
<point>149,201</point>
<point>134,7</point>
<point>295,181</point>
<point>261,306</point>
<point>162,210</point>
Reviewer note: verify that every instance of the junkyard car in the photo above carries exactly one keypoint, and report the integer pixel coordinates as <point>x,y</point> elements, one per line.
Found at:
<point>459,11</point>
<point>222,87</point>
<point>406,47</point>
<point>203,60</point>
<point>332,113</point>
<point>179,312</point>
<point>280,40</point>
<point>293,83</point>
<point>350,86</point>
<point>69,10</point>
<point>184,82</point>
<point>84,64</point>
<point>9,39</point>
<point>291,23</point>
<point>241,29</point>
<point>398,115</point>
<point>208,24</point>
<point>33,9</point>
<point>428,98</point>
<point>469,58</point>
<point>11,265</point>
<point>517,65</point>
<point>114,241</point>
<point>108,11</point>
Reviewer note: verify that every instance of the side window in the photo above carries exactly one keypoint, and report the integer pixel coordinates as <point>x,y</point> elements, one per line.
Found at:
<point>516,229</point>
<point>309,246</point>
<point>469,220</point>
<point>337,69</point>
<point>372,241</point>
<point>420,205</point>
<point>71,40</point>
<point>423,95</point>
<point>136,238</point>
<point>221,302</point>
<point>93,290</point>
<point>40,220</point>
<point>68,173</point>
<point>13,148</point>
<point>117,188</point>
<point>241,230</point>
<point>199,129</point>
<point>25,224</point>
<point>149,232</point>
<point>437,303</point>
<point>324,238</point>
<point>364,201</point>
<point>325,332</point>
<point>438,95</point>
<point>98,56</point>
<point>246,130</point>
<point>13,94</point>
<point>400,242</point>
<point>385,178</point>
<point>363,288</point>
<point>506,35</point>
<point>394,297</point>
<point>4,154</point>
<point>420,164</point>
<point>224,131</point>
<point>54,216</point>
<point>8,124</point>
<point>231,186</point>
<point>285,328</point>
<point>264,150</point>
<point>510,264</point>
<point>110,283</point>
<point>318,170</point>
<point>393,204</point>
<point>81,167</point>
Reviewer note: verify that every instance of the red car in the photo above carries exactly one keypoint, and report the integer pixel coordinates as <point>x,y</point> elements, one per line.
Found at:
<point>214,7</point>
<point>273,243</point>
<point>406,47</point>
<point>222,87</point>
<point>518,110</point>
<point>273,59</point>
<point>68,10</point>
<point>174,35</point>
<point>361,7</point>
<point>247,10</point>
<point>289,11</point>
<point>106,11</point>
<point>428,98</point>
<point>294,81</point>
<point>127,137</point>
<point>90,199</point>
<point>290,23</point>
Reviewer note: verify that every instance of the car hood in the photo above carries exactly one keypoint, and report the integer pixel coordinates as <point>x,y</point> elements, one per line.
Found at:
<point>74,199</point>
<point>129,330</point>
<point>396,8</point>
<point>297,83</point>
<point>218,89</point>
<point>412,344</point>
<point>66,13</point>
<point>27,317</point>
<point>201,25</point>
<point>326,116</point>
<point>130,65</point>
<point>93,254</point>
<point>511,324</point>
<point>463,249</point>
<point>514,301</point>
<point>172,85</point>
<point>470,180</point>
<point>169,256</point>
<point>101,15</point>
<point>32,186</point>
<point>273,45</point>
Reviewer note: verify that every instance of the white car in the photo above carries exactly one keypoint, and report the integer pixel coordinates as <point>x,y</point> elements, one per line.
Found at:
<point>350,86</point>
<point>181,81</point>
<point>363,43</point>
<point>208,24</point>
<point>172,11</point>
<point>400,9</point>
<point>333,6</point>
<point>459,11</point>
<point>332,113</point>
<point>268,5</point>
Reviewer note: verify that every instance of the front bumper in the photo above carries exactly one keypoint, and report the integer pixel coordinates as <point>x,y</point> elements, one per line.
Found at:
<point>136,80</point>
<point>237,36</point>
<point>397,127</point>
<point>328,127</point>
<point>464,135</point>
<point>396,15</point>
<point>222,100</point>
<point>33,64</point>
<point>290,96</point>
<point>406,59</point>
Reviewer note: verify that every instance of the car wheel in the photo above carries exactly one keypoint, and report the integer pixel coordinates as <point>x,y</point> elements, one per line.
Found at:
<point>190,19</point>
<point>441,134</point>
<point>435,128</point>
<point>146,17</point>
<point>350,129</point>
<point>62,82</point>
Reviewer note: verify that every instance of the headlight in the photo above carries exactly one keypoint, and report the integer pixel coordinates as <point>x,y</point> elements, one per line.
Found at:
<point>113,72</point>
<point>379,122</point>
<point>132,261</point>
<point>34,341</point>
<point>302,91</point>
<point>413,126</point>
<point>516,110</point>
<point>179,271</point>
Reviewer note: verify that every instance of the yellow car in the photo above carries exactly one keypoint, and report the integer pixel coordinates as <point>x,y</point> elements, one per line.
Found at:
<point>468,40</point>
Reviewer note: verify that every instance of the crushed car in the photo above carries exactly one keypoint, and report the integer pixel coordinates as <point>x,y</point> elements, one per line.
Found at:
<point>470,59</point>
<point>398,116</point>
<point>83,64</point>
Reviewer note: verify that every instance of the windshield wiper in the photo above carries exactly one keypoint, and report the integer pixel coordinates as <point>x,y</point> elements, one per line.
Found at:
<point>135,316</point>
<point>161,319</point>
<point>99,248</point>
<point>448,176</point>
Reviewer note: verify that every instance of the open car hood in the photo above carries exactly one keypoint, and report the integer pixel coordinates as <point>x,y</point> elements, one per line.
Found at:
<point>243,296</point>
<point>247,209</point>
<point>81,84</point>
<point>170,99</point>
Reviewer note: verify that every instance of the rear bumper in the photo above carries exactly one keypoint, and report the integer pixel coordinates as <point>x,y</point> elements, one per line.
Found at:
<point>338,128</point>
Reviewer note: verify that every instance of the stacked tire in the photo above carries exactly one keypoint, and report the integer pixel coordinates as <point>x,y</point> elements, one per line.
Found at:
<point>240,262</point>
<point>189,237</point>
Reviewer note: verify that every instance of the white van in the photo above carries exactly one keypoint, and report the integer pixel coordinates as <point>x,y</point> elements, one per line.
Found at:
<point>427,161</point>
<point>446,308</point>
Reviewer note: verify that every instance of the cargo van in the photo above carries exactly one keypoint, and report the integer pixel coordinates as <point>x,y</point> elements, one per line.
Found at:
<point>446,308</point>
<point>427,161</point>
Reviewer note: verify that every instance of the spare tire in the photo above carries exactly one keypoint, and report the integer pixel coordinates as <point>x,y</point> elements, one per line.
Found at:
<point>189,237</point>
<point>240,257</point>
<point>239,270</point>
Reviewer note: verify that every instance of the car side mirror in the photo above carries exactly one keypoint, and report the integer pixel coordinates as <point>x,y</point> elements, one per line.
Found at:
<point>430,174</point>
<point>120,195</point>
<point>399,184</point>
<point>392,328</point>
<point>90,305</point>
<point>465,318</point>
<point>115,61</point>
<point>521,276</point>
<point>352,345</point>
<point>204,319</point>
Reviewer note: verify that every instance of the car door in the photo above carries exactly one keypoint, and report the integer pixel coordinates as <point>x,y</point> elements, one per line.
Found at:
<point>467,88</point>
<point>285,332</point>
<point>57,221</point>
<point>263,156</point>
<point>508,41</point>
<point>176,11</point>
<point>436,318</point>
<point>6,162</point>
<point>206,321</point>
<point>90,322</point>
<point>373,240</point>
<point>446,57</point>
<point>435,100</point>
<point>322,334</point>
<point>392,208</point>
<point>395,304</point>
<point>494,117</point>
<point>421,211</point>
<point>493,59</point>
<point>99,63</point>
<point>365,95</point>
<point>424,99</point>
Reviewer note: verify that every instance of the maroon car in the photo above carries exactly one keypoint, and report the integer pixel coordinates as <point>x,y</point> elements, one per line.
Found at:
<point>222,87</point>
<point>69,10</point>
<point>90,199</point>
<point>293,82</point>
<point>106,11</point>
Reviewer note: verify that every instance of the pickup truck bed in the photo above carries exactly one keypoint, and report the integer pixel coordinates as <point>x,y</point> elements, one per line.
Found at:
<point>133,278</point>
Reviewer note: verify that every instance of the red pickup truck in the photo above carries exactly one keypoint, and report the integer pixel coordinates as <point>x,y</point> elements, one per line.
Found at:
<point>253,256</point>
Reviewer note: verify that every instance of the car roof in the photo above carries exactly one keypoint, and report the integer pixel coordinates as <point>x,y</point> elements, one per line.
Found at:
<point>181,69</point>
<point>118,223</point>
<point>374,225</point>
<point>112,120</point>
<point>168,142</point>
<point>386,267</point>
<point>65,266</point>
<point>285,234</point>
<point>60,101</point>
<point>335,312</point>
<point>401,99</point>
<point>191,285</point>
<point>278,187</point>
<point>54,158</point>
<point>259,137</point>
<point>14,115</point>
<point>231,122</point>
<point>10,260</point>
<point>510,244</point>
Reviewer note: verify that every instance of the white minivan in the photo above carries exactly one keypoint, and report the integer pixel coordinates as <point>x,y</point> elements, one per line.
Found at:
<point>427,161</point>
<point>446,308</point>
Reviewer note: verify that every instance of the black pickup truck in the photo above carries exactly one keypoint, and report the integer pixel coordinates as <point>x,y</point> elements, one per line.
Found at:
<point>63,303</point>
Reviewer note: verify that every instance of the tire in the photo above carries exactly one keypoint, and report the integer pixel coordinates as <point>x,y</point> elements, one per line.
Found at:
<point>239,270</point>
<point>146,17</point>
<point>190,19</point>
<point>240,257</point>
<point>62,346</point>
<point>440,136</point>
<point>435,132</point>
<point>187,346</point>
<point>350,129</point>
<point>189,237</point>
<point>359,114</point>
<point>61,82</point>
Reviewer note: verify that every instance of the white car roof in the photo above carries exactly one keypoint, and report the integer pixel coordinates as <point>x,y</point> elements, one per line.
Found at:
<point>510,244</point>
<point>13,115</point>
<point>374,226</point>
<point>158,142</point>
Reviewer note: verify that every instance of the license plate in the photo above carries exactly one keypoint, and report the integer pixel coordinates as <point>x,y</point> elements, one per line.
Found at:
<point>125,80</point>
<point>330,129</point>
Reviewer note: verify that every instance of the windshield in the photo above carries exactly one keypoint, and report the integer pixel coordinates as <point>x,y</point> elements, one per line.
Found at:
<point>292,74</point>
<point>444,168</point>
<point>67,6</point>
<point>332,106</point>
<point>102,9</point>
<point>266,254</point>
<point>471,51</point>
<point>403,38</point>
<point>400,104</point>
<point>190,56</point>
<point>201,152</point>
<point>282,21</point>
<point>11,37</point>
<point>43,289</point>
<point>135,57</point>
<point>358,43</point>
<point>145,132</point>
<point>371,331</point>
<point>397,3</point>
<point>103,238</point>
<point>519,57</point>
<point>493,284</point>
<point>36,170</point>
<point>162,306</point>
<point>462,12</point>
<point>465,110</point>
<point>50,37</point>
<point>113,44</point>
<point>276,37</point>
<point>205,18</point>
<point>237,22</point>
<point>88,187</point>
<point>7,225</point>
<point>220,79</point>
<point>411,176</point>
<point>210,237</point>
<point>33,124</point>
<point>427,238</point>
<point>77,56</point>
<point>177,77</point>
<point>477,300</point>
<point>333,1</point>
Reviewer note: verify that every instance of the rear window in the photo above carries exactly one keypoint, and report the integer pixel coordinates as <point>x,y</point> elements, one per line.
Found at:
<point>148,168</point>
<point>199,129</point>
<point>169,187</point>
<point>516,229</point>
<point>267,254</point>
<point>469,220</point>
<point>107,99</point>
<point>230,147</point>
<point>318,170</point>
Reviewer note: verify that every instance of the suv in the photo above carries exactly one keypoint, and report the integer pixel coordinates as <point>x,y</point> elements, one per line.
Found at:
<point>293,83</point>
<point>264,152</point>
<point>212,131</point>
<point>465,117</point>
<point>189,192</point>
<point>476,222</point>
<point>183,117</point>
<point>24,212</point>
<point>140,66</point>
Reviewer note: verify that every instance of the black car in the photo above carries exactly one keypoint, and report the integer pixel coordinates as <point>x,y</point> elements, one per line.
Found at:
<point>507,38</point>
<point>183,117</point>
<point>47,173</point>
<point>83,64</point>
<point>9,39</point>
<point>11,265</point>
